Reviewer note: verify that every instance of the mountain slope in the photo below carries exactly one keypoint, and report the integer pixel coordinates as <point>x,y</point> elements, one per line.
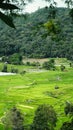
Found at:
<point>32,39</point>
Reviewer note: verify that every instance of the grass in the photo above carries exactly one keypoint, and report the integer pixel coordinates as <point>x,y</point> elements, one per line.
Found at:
<point>19,67</point>
<point>32,89</point>
<point>58,63</point>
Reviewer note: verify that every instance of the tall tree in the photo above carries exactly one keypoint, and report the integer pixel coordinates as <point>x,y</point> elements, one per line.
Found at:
<point>14,120</point>
<point>45,118</point>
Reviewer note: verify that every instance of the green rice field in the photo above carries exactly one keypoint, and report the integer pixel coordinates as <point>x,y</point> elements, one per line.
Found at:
<point>28,91</point>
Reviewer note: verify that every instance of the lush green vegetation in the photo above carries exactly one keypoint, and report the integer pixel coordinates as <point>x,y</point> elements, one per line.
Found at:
<point>28,91</point>
<point>32,39</point>
<point>40,94</point>
<point>34,64</point>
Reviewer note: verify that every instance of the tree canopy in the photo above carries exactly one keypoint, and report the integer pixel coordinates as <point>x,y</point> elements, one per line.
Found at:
<point>68,125</point>
<point>13,120</point>
<point>45,118</point>
<point>8,6</point>
<point>31,38</point>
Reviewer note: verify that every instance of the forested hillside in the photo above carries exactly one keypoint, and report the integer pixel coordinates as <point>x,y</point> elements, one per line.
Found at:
<point>32,39</point>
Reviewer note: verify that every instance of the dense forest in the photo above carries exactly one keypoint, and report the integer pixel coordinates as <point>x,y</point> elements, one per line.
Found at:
<point>31,38</point>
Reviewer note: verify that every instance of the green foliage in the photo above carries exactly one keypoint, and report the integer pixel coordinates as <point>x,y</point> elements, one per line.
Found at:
<point>50,26</point>
<point>32,39</point>
<point>29,90</point>
<point>46,65</point>
<point>68,111</point>
<point>71,13</point>
<point>52,10</point>
<point>23,72</point>
<point>4,59</point>
<point>69,108</point>
<point>4,68</point>
<point>15,59</point>
<point>62,67</point>
<point>49,65</point>
<point>13,119</point>
<point>14,70</point>
<point>67,125</point>
<point>71,64</point>
<point>45,118</point>
<point>53,26</point>
<point>28,63</point>
<point>37,64</point>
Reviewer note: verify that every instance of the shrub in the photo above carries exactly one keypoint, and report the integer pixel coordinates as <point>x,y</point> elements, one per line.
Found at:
<point>13,120</point>
<point>15,59</point>
<point>68,108</point>
<point>68,111</point>
<point>4,59</point>
<point>14,70</point>
<point>49,65</point>
<point>23,72</point>
<point>62,67</point>
<point>4,68</point>
<point>35,64</point>
<point>32,64</point>
<point>45,118</point>
<point>28,63</point>
<point>56,87</point>
<point>71,64</point>
<point>67,126</point>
